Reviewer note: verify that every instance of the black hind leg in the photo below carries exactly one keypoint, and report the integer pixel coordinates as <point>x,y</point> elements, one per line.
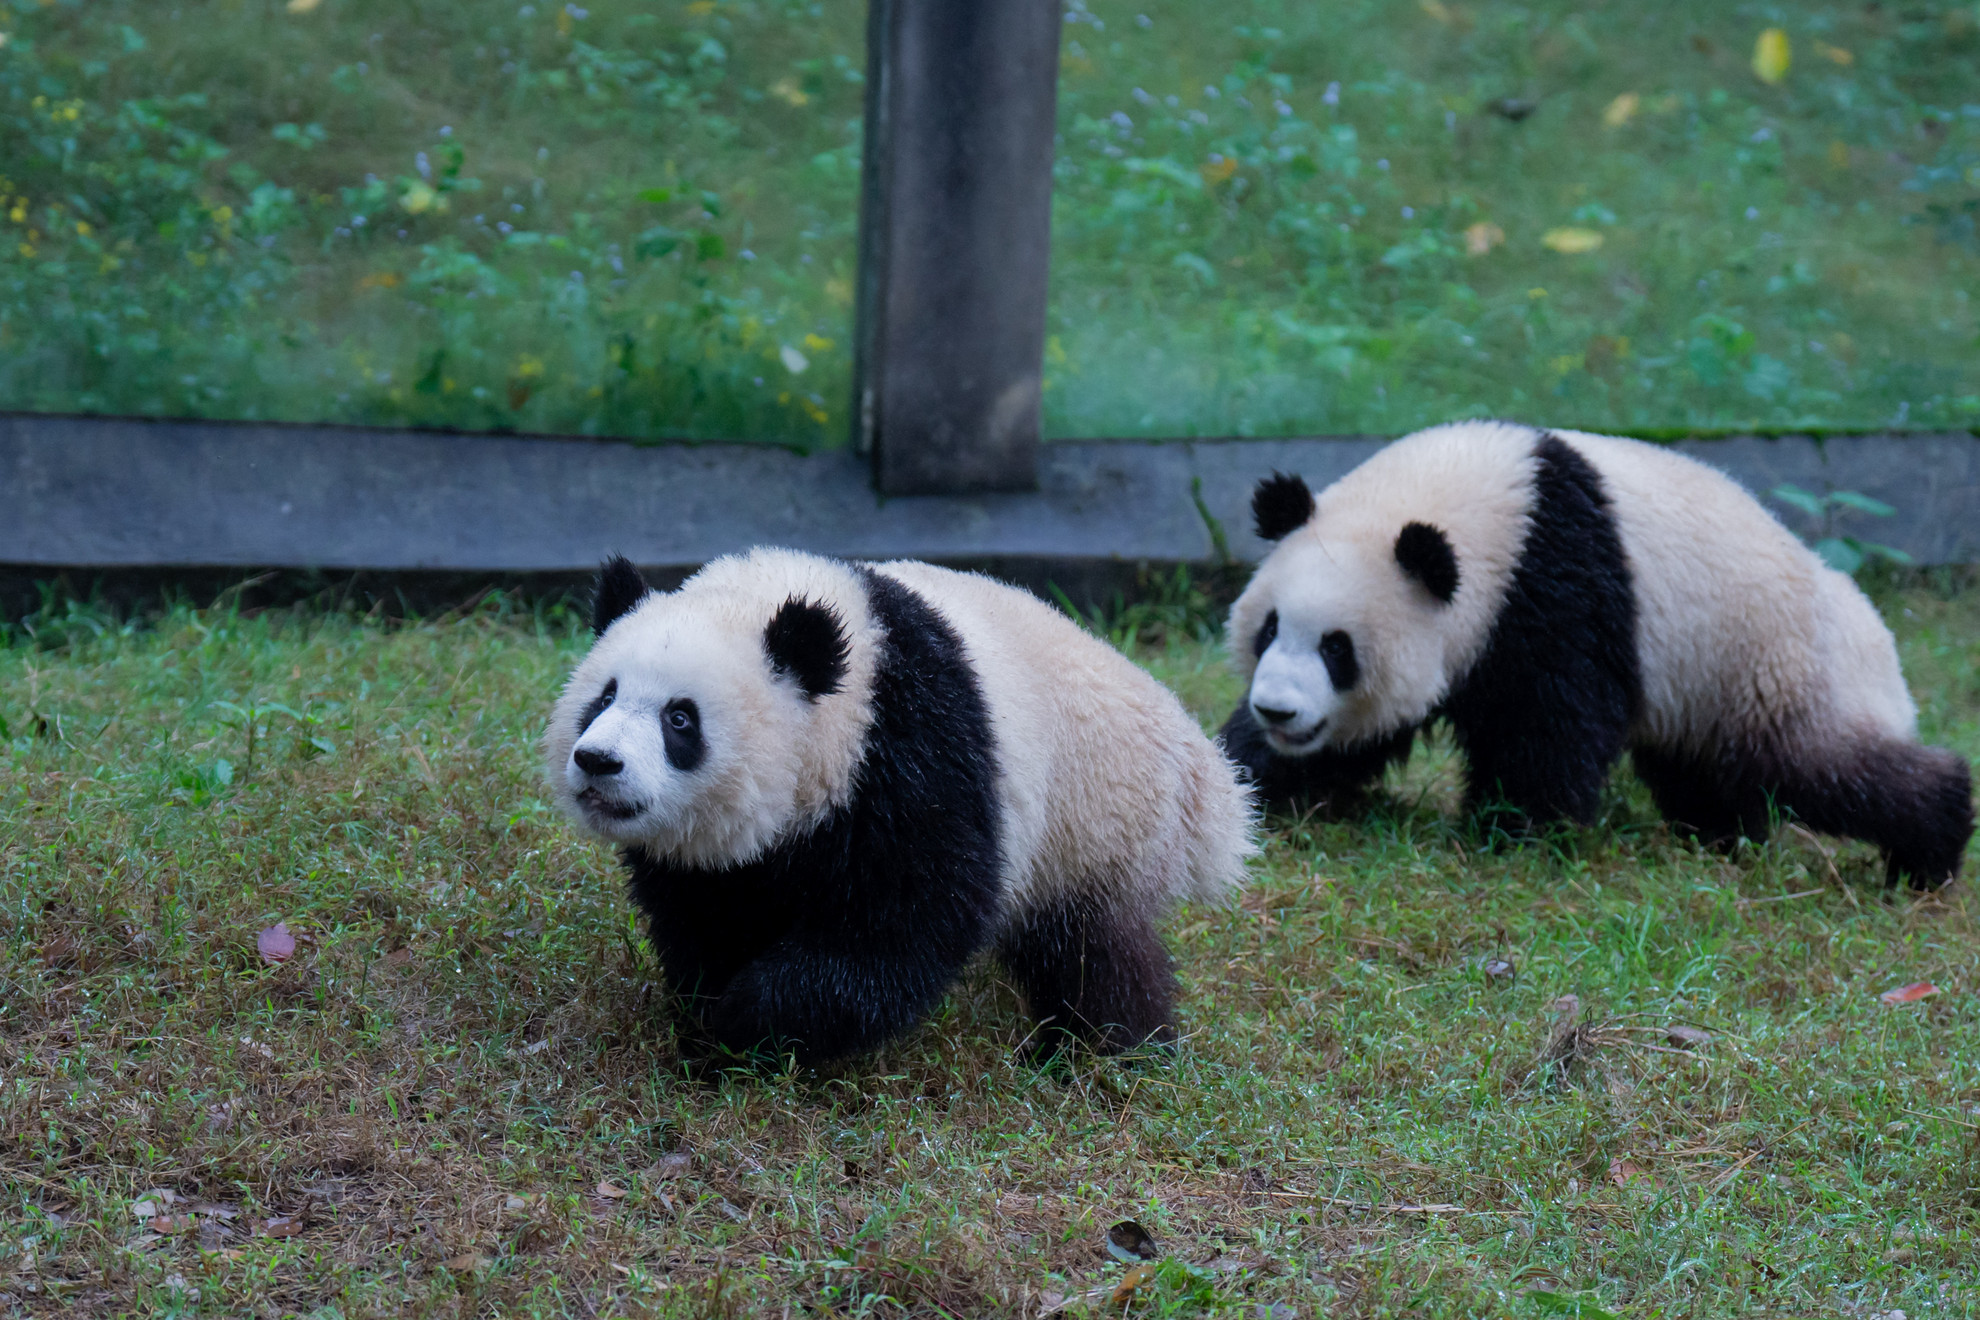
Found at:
<point>1091,972</point>
<point>1694,797</point>
<point>1915,803</point>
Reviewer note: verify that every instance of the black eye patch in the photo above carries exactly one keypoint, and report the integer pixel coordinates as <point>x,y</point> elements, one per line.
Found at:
<point>680,729</point>
<point>1337,653</point>
<point>597,706</point>
<point>1266,632</point>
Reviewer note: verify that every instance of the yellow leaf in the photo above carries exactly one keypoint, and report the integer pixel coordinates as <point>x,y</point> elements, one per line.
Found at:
<point>1839,154</point>
<point>1771,56</point>
<point>1436,10</point>
<point>380,279</point>
<point>1482,238</point>
<point>700,7</point>
<point>1834,54</point>
<point>787,91</point>
<point>419,198</point>
<point>1571,240</point>
<point>1218,169</point>
<point>1622,110</point>
<point>611,1191</point>
<point>817,343</point>
<point>839,289</point>
<point>304,6</point>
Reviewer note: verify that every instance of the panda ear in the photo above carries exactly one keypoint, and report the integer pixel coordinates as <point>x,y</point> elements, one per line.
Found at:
<point>1281,504</point>
<point>1426,555</point>
<point>619,588</point>
<point>806,642</point>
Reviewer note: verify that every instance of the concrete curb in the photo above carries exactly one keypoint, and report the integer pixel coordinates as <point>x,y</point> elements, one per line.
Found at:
<point>109,493</point>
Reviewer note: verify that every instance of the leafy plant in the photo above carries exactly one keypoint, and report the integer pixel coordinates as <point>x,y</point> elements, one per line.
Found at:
<point>1846,554</point>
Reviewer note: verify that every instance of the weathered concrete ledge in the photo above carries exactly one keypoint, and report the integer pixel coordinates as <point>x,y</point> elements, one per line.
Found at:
<point>107,493</point>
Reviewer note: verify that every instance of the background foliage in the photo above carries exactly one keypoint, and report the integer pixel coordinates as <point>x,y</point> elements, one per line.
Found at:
<point>1271,216</point>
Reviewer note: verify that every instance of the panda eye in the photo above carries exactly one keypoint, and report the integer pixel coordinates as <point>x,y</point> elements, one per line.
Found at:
<point>680,720</point>
<point>681,716</point>
<point>1337,653</point>
<point>597,706</point>
<point>1266,632</point>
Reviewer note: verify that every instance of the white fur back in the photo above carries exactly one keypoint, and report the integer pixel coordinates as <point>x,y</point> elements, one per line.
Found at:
<point>1107,782</point>
<point>1741,629</point>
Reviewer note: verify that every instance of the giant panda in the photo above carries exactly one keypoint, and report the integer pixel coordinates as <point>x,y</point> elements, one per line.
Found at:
<point>836,783</point>
<point>1557,597</point>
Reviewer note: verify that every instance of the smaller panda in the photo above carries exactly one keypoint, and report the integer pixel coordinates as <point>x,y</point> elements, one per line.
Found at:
<point>836,783</point>
<point>1556,598</point>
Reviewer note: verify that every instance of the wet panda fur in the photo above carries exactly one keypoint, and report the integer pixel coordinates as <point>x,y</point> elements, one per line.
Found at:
<point>835,784</point>
<point>1558,597</point>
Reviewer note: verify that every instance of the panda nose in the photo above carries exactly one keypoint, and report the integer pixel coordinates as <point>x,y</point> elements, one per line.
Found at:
<point>597,763</point>
<point>1271,716</point>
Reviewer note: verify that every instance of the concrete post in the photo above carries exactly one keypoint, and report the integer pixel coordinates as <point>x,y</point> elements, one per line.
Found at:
<point>955,232</point>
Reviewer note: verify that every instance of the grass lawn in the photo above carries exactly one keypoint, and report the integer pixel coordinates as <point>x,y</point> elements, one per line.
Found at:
<point>1271,216</point>
<point>455,1097</point>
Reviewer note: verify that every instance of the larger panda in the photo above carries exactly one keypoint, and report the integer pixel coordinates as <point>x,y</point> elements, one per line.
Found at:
<point>1557,597</point>
<point>837,783</point>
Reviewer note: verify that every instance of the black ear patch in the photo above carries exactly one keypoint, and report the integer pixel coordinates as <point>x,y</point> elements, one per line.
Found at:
<point>808,642</point>
<point>1426,555</point>
<point>620,587</point>
<point>1281,504</point>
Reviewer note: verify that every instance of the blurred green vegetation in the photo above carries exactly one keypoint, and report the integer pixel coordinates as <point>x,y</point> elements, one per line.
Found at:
<point>1271,217</point>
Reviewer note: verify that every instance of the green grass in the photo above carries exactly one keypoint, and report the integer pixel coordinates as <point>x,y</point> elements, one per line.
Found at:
<point>467,1041</point>
<point>1263,215</point>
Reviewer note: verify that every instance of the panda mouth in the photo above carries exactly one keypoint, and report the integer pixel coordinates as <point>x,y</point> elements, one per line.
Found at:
<point>597,803</point>
<point>1296,742</point>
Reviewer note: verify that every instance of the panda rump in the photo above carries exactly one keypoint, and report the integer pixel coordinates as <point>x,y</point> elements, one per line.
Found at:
<point>889,769</point>
<point>1559,598</point>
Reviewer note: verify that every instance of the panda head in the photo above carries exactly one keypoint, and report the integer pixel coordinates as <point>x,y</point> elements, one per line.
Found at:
<point>1343,631</point>
<point>708,723</point>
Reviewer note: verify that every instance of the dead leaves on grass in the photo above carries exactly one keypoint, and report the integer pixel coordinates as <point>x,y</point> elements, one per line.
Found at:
<point>1909,994</point>
<point>275,944</point>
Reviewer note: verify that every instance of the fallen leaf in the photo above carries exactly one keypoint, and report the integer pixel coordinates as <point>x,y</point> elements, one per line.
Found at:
<point>536,1046</point>
<point>172,1224</point>
<point>1500,972</point>
<point>143,1242</point>
<point>215,1210</point>
<point>1623,109</point>
<point>1624,1172</point>
<point>1571,240</point>
<point>177,1283</point>
<point>1130,1242</point>
<point>672,1166</point>
<point>276,944</point>
<point>466,1263</point>
<point>611,1191</point>
<point>1687,1038</point>
<point>1910,994</point>
<point>1131,1282</point>
<point>151,1204</point>
<point>516,1205</point>
<point>283,1226</point>
<point>1834,54</point>
<point>257,1047</point>
<point>1772,56</point>
<point>1482,238</point>
<point>304,6</point>
<point>1218,169</point>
